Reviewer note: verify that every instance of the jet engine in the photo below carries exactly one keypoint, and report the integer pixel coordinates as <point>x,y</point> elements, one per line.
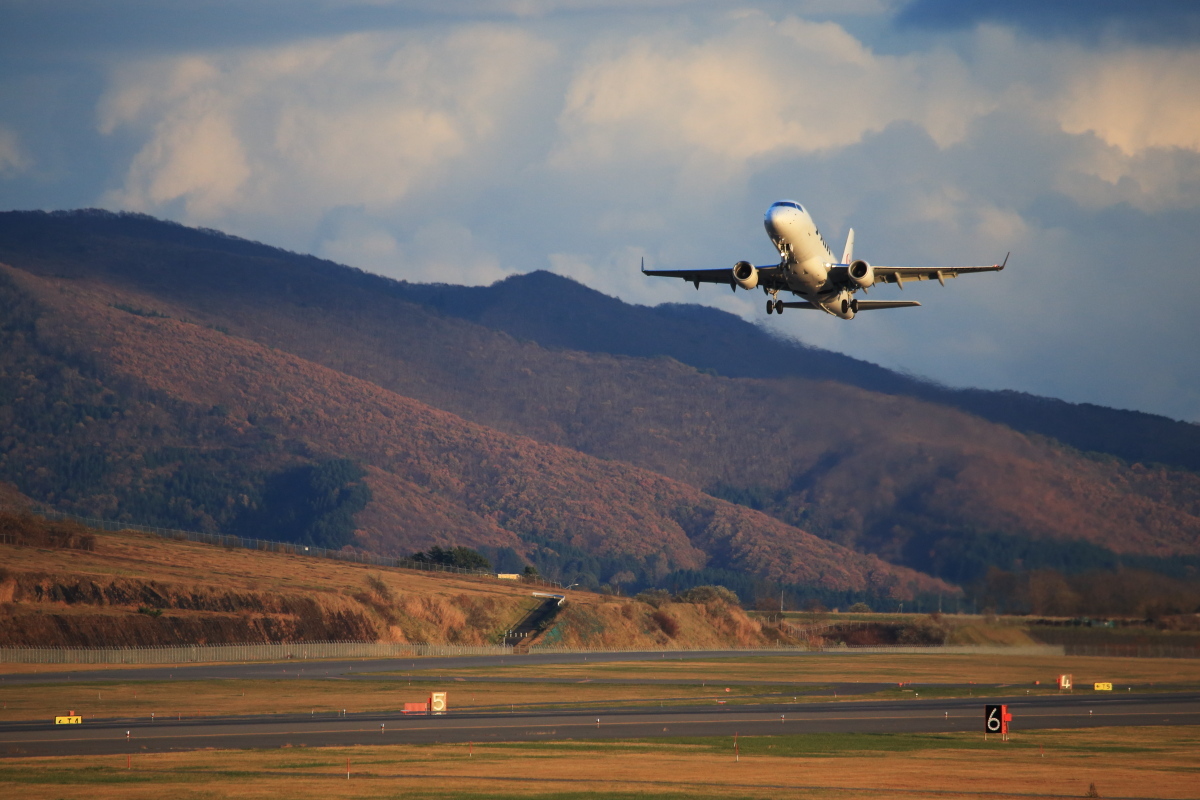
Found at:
<point>745,275</point>
<point>861,273</point>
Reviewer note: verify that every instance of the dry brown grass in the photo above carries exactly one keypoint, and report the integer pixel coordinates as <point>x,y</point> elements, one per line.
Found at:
<point>1141,762</point>
<point>219,595</point>
<point>214,594</point>
<point>188,699</point>
<point>128,554</point>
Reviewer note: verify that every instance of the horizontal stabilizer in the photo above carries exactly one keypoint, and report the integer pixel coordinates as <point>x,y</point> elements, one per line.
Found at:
<point>871,305</point>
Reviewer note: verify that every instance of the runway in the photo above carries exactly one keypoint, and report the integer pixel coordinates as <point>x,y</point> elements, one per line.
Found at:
<point>371,667</point>
<point>902,716</point>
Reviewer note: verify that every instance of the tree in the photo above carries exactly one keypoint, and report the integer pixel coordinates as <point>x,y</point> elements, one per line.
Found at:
<point>703,595</point>
<point>313,504</point>
<point>460,557</point>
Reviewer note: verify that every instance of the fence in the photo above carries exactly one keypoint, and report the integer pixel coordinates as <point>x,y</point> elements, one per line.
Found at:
<point>208,653</point>
<point>188,654</point>
<point>895,649</point>
<point>290,548</point>
<point>1133,650</point>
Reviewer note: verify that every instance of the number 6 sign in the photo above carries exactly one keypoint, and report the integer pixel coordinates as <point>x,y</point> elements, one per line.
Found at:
<point>993,719</point>
<point>996,719</point>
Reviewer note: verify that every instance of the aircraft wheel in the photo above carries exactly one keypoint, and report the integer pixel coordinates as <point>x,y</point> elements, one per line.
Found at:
<point>778,306</point>
<point>854,305</point>
<point>770,307</point>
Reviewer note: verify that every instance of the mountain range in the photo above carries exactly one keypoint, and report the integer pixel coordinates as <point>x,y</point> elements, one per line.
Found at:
<point>169,375</point>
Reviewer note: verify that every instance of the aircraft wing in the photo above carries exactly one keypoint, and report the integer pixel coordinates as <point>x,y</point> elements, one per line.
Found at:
<point>769,277</point>
<point>898,275</point>
<point>863,305</point>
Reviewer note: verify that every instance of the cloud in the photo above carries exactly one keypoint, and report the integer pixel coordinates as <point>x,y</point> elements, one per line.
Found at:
<point>1137,100</point>
<point>759,89</point>
<point>441,251</point>
<point>13,158</point>
<point>294,130</point>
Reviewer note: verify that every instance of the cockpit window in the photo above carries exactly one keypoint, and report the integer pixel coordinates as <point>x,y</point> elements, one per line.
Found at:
<point>789,204</point>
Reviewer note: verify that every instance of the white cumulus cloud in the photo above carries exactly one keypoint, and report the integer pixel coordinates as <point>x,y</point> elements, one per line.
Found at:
<point>758,89</point>
<point>295,129</point>
<point>13,157</point>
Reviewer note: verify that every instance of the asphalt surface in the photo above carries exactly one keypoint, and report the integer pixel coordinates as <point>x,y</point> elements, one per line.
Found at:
<point>360,667</point>
<point>769,716</point>
<point>95,737</point>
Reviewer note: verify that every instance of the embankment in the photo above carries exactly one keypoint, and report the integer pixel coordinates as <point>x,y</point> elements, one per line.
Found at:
<point>95,588</point>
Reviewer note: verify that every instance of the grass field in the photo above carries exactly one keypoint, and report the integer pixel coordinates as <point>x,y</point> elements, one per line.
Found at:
<point>192,699</point>
<point>699,682</point>
<point>1138,762</point>
<point>869,668</point>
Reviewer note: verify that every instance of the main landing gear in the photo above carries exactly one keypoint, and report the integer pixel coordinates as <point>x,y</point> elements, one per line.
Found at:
<point>774,304</point>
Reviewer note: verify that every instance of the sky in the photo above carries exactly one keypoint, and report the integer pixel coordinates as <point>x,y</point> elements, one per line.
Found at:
<point>461,142</point>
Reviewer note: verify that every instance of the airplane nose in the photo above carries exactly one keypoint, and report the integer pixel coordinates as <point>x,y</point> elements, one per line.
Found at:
<point>775,217</point>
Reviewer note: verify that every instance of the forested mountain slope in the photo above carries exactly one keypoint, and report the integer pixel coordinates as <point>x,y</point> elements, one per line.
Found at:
<point>915,481</point>
<point>115,410</point>
<point>557,312</point>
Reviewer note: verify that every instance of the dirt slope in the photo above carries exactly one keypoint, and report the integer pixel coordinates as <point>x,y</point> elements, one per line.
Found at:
<point>134,589</point>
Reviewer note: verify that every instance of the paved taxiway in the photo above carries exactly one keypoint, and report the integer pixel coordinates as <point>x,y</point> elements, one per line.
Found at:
<point>360,667</point>
<point>915,715</point>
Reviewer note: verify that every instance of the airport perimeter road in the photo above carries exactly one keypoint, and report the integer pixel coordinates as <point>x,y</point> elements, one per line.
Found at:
<point>360,667</point>
<point>907,716</point>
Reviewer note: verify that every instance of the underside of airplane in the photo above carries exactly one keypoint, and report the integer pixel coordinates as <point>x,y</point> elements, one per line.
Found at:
<point>808,270</point>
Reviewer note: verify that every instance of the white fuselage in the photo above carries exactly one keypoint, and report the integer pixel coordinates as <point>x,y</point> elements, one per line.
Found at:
<point>804,255</point>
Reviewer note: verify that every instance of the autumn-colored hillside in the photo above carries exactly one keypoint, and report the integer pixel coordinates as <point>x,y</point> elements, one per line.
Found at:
<point>273,360</point>
<point>435,477</point>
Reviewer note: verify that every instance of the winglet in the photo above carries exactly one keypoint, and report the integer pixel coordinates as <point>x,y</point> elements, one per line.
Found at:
<point>644,264</point>
<point>1004,263</point>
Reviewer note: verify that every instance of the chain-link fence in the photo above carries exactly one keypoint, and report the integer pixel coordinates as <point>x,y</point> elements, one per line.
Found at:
<point>1133,650</point>
<point>933,649</point>
<point>210,653</point>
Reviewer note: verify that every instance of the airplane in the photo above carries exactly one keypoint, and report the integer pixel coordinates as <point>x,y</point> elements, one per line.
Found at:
<point>807,269</point>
